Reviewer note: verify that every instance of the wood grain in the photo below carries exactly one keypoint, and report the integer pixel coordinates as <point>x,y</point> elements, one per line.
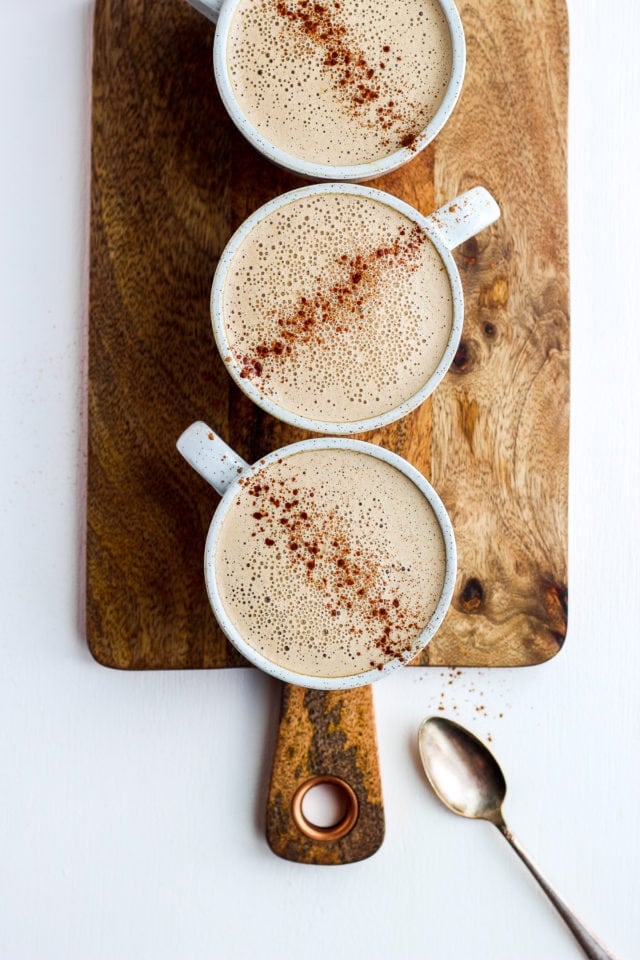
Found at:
<point>324,734</point>
<point>160,216</point>
<point>500,440</point>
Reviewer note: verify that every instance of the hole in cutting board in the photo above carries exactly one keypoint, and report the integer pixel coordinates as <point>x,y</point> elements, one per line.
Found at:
<point>325,805</point>
<point>324,808</point>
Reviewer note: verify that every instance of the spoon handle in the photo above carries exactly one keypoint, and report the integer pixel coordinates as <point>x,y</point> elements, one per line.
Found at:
<point>591,946</point>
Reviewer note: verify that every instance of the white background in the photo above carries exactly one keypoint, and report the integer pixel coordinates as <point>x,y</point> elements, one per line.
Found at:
<point>131,805</point>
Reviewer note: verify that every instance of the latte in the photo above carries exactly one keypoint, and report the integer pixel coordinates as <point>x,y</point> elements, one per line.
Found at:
<point>342,82</point>
<point>337,307</point>
<point>330,563</point>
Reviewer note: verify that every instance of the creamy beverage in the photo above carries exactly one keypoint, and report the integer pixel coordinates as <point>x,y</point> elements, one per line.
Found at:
<point>330,563</point>
<point>336,307</point>
<point>340,82</point>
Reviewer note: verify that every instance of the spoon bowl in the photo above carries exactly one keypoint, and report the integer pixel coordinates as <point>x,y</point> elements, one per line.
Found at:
<point>461,771</point>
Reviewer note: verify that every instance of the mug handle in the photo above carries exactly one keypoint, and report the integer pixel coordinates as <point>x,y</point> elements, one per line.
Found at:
<point>323,736</point>
<point>210,8</point>
<point>210,456</point>
<point>464,216</point>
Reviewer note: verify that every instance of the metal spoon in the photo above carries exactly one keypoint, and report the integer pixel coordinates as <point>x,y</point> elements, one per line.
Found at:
<point>467,779</point>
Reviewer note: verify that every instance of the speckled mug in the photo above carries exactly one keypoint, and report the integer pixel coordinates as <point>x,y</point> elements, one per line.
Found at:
<point>447,228</point>
<point>220,466</point>
<point>221,13</point>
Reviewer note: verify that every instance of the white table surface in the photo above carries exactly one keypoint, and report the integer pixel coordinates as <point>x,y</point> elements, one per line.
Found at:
<point>131,804</point>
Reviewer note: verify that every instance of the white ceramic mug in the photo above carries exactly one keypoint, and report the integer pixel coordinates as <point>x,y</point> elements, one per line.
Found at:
<point>221,13</point>
<point>220,466</point>
<point>447,228</point>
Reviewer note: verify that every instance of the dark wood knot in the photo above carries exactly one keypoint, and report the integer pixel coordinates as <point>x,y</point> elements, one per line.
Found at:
<point>463,359</point>
<point>472,595</point>
<point>556,604</point>
<point>469,252</point>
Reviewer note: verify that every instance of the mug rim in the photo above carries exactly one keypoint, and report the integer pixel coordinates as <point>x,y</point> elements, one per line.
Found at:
<point>348,681</point>
<point>290,416</point>
<point>325,171</point>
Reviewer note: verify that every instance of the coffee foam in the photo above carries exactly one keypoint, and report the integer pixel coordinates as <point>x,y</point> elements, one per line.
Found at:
<point>337,307</point>
<point>341,83</point>
<point>330,563</point>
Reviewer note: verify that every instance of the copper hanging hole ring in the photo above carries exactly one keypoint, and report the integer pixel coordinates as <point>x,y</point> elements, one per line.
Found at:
<point>338,830</point>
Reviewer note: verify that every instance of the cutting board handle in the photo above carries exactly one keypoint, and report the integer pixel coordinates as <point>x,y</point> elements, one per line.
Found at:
<point>464,216</point>
<point>325,737</point>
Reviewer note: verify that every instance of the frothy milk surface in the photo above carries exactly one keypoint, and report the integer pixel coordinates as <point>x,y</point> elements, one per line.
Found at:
<point>337,307</point>
<point>330,563</point>
<point>341,82</point>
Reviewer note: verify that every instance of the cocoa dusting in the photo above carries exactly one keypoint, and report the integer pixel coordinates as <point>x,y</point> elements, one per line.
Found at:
<point>477,710</point>
<point>409,141</point>
<point>317,543</point>
<point>356,82</point>
<point>318,318</point>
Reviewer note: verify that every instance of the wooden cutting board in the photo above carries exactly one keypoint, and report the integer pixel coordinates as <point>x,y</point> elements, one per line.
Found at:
<point>171,180</point>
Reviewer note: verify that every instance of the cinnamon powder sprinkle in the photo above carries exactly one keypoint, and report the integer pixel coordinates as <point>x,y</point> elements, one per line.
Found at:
<point>319,546</point>
<point>357,83</point>
<point>317,318</point>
